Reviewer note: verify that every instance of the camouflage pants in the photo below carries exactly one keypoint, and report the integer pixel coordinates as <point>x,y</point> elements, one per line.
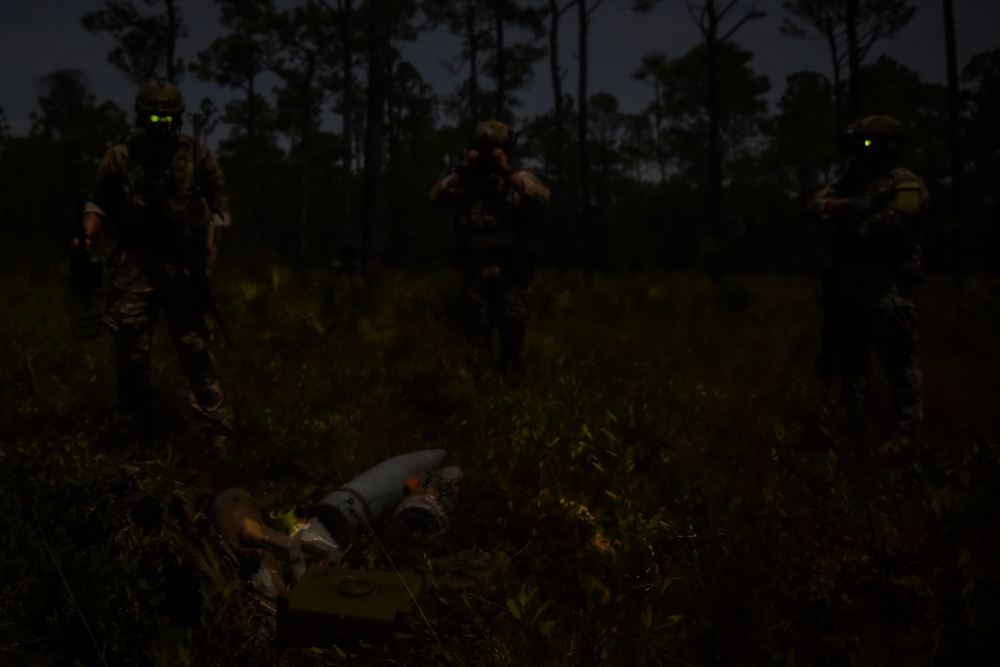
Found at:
<point>137,293</point>
<point>497,300</point>
<point>889,325</point>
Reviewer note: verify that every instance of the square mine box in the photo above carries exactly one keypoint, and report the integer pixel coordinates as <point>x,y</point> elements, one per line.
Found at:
<point>334,603</point>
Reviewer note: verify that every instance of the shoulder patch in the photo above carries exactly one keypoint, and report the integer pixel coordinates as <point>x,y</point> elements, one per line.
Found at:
<point>908,197</point>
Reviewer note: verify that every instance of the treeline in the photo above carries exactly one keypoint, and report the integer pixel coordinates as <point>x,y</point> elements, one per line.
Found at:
<point>333,139</point>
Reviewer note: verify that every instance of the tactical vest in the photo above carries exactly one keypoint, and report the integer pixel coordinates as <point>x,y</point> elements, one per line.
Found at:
<point>883,248</point>
<point>159,190</point>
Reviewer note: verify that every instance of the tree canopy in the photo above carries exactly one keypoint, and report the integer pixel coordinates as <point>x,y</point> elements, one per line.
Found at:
<point>333,126</point>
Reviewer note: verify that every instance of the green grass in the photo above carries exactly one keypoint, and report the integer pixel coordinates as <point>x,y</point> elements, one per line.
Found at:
<point>664,485</point>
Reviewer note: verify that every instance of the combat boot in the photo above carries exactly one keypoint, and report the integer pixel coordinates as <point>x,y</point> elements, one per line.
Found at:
<point>220,445</point>
<point>894,449</point>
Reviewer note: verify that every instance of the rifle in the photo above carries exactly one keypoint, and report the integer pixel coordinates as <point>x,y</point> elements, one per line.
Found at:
<point>198,270</point>
<point>85,276</point>
<point>849,209</point>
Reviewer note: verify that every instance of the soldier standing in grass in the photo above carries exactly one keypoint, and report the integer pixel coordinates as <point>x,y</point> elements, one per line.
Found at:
<point>159,196</point>
<point>875,212</point>
<point>495,220</point>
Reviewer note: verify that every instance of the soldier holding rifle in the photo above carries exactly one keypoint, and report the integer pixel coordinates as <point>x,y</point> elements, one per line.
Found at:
<point>875,211</point>
<point>495,206</point>
<point>159,196</point>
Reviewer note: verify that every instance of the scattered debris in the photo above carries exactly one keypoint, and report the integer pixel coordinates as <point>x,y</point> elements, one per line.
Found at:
<point>410,494</point>
<point>243,528</point>
<point>422,516</point>
<point>367,498</point>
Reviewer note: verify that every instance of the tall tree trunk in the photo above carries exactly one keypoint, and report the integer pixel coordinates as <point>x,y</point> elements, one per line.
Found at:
<point>954,113</point>
<point>393,114</point>
<point>853,61</point>
<point>501,65</point>
<point>251,107</point>
<point>661,155</point>
<point>558,145</point>
<point>254,221</point>
<point>958,246</point>
<point>838,96</point>
<point>473,38</point>
<point>346,227</point>
<point>712,45</point>
<point>373,132</point>
<point>300,247</point>
<point>714,145</point>
<point>709,23</point>
<point>586,221</point>
<point>172,29</point>
<point>306,131</point>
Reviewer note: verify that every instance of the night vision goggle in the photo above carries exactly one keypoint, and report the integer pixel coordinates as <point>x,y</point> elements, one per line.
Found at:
<point>153,118</point>
<point>850,143</point>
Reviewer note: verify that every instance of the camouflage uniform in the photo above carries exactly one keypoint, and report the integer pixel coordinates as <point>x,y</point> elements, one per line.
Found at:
<point>161,199</point>
<point>868,287</point>
<point>494,225</point>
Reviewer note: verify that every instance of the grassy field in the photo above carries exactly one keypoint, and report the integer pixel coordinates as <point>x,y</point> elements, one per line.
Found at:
<point>664,485</point>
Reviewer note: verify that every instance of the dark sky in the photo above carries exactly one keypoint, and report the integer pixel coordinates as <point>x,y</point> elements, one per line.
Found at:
<point>41,36</point>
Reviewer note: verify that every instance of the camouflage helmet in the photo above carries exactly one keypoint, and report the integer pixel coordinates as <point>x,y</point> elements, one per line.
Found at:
<point>494,134</point>
<point>159,97</point>
<point>883,134</point>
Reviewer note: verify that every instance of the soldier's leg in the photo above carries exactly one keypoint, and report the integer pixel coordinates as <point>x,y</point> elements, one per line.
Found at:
<point>512,324</point>
<point>479,314</point>
<point>829,334</point>
<point>191,332</point>
<point>853,356</point>
<point>895,344</point>
<point>131,316</point>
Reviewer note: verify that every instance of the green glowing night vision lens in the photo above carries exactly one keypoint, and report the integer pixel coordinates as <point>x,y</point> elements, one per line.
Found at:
<point>165,119</point>
<point>868,142</point>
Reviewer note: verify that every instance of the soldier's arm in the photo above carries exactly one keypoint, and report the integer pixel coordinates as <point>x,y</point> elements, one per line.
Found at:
<point>213,187</point>
<point>446,191</point>
<point>828,202</point>
<point>519,187</point>
<point>907,200</point>
<point>526,195</point>
<point>93,219</point>
<point>530,187</point>
<point>101,198</point>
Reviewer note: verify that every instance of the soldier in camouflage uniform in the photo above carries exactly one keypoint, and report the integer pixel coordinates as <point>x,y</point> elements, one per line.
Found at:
<point>159,197</point>
<point>495,207</point>
<point>874,211</point>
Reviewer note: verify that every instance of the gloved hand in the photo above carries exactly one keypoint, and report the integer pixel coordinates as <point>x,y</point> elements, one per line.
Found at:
<point>91,225</point>
<point>851,208</point>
